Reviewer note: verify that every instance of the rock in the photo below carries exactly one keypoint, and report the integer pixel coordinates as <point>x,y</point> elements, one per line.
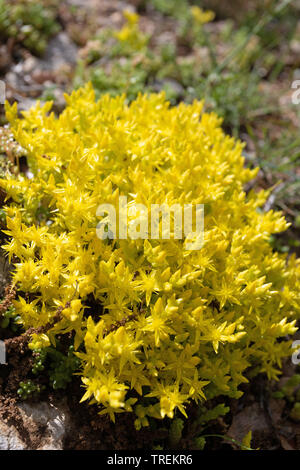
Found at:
<point>60,51</point>
<point>36,426</point>
<point>169,84</point>
<point>27,80</point>
<point>9,439</point>
<point>28,66</point>
<point>251,418</point>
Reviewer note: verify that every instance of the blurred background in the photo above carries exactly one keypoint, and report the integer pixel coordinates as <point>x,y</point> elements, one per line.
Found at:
<point>242,57</point>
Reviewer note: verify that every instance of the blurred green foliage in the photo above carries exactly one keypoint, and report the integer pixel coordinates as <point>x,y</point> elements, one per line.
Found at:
<point>115,66</point>
<point>29,22</point>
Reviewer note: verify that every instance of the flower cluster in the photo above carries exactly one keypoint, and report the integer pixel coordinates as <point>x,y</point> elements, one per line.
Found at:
<point>155,325</point>
<point>130,34</point>
<point>202,17</point>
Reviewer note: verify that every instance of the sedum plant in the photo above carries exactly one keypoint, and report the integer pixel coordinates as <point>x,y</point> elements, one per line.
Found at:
<point>156,326</point>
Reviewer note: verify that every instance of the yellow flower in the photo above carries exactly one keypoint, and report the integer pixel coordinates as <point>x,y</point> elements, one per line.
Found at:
<point>201,16</point>
<point>147,315</point>
<point>130,33</point>
<point>131,17</point>
<point>39,341</point>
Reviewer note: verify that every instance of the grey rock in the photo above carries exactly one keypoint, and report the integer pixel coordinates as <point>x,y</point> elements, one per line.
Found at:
<point>61,50</point>
<point>40,426</point>
<point>9,439</point>
<point>168,83</point>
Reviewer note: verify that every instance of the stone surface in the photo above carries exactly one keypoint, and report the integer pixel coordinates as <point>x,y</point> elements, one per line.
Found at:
<point>251,418</point>
<point>9,439</point>
<point>37,426</point>
<point>60,51</point>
